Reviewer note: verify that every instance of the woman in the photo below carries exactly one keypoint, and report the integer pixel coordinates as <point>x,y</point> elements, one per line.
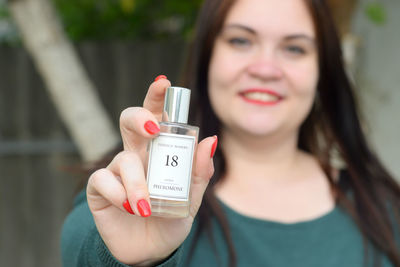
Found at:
<point>271,84</point>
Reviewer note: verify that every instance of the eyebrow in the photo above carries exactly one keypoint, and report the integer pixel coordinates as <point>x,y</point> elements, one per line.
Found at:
<point>247,29</point>
<point>300,36</point>
<point>287,38</point>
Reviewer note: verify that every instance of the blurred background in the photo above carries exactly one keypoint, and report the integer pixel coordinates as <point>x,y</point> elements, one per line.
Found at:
<point>69,67</point>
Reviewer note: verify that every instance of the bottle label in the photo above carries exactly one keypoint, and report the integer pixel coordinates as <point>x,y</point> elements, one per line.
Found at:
<point>170,166</point>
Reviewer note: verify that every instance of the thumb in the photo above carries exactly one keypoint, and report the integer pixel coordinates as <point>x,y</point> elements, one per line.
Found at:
<point>203,170</point>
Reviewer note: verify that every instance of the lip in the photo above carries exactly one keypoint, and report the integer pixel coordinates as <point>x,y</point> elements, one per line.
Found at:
<point>260,102</point>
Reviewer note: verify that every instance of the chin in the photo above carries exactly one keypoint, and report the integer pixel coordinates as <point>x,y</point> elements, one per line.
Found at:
<point>261,133</point>
<point>259,123</point>
<point>258,130</point>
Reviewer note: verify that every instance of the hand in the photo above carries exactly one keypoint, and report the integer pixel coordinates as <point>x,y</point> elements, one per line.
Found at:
<point>134,239</point>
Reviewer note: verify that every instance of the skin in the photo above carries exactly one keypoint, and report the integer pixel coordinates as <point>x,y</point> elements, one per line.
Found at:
<point>257,49</point>
<point>124,179</point>
<point>267,176</point>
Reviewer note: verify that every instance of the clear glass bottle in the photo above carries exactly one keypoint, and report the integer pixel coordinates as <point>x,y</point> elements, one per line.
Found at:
<point>171,157</point>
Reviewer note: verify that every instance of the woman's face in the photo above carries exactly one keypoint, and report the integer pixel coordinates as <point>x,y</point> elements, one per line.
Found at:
<point>264,67</point>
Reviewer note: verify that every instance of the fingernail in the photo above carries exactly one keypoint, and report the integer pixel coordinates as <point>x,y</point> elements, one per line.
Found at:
<point>160,77</point>
<point>151,127</point>
<point>144,208</point>
<point>127,207</point>
<point>214,146</point>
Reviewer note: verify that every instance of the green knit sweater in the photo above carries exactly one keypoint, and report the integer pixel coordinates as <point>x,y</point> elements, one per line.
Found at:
<point>330,241</point>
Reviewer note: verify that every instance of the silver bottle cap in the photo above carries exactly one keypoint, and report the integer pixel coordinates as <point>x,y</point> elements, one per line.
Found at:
<point>176,105</point>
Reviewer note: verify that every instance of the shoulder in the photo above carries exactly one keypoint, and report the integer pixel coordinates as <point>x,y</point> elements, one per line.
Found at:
<point>77,225</point>
<point>80,216</point>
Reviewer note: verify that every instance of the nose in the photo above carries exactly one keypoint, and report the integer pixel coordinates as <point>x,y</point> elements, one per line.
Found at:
<point>265,66</point>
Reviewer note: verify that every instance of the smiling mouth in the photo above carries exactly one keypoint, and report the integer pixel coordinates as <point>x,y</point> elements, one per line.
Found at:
<point>260,97</point>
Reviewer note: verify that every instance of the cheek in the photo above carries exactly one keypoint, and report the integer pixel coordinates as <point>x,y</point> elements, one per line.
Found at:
<point>216,80</point>
<point>304,79</point>
<point>221,69</point>
<point>226,65</point>
<point>222,73</point>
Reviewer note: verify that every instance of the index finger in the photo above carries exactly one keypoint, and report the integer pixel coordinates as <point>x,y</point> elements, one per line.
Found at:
<point>154,100</point>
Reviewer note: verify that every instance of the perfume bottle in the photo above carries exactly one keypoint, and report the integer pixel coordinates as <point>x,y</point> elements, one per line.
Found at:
<point>171,157</point>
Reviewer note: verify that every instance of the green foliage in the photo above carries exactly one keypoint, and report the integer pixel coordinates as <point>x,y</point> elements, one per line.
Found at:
<point>376,13</point>
<point>127,19</point>
<point>8,33</point>
<point>134,19</point>
<point>3,12</point>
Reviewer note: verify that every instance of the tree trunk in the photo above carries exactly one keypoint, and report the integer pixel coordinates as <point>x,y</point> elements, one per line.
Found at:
<point>66,80</point>
<point>343,11</point>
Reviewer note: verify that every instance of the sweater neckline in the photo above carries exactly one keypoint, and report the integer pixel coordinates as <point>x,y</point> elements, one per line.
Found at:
<point>322,219</point>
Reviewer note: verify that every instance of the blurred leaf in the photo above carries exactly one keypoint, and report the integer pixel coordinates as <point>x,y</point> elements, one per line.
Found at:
<point>128,6</point>
<point>376,13</point>
<point>127,19</point>
<point>3,12</point>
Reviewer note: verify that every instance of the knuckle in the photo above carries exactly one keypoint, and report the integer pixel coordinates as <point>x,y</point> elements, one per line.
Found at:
<point>141,190</point>
<point>127,158</point>
<point>125,113</point>
<point>100,173</point>
<point>97,175</point>
<point>137,182</point>
<point>128,114</point>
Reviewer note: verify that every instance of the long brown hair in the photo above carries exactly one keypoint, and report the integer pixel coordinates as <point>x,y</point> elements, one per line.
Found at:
<point>333,121</point>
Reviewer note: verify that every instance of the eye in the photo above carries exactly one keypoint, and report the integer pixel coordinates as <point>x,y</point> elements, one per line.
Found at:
<point>239,42</point>
<point>295,49</point>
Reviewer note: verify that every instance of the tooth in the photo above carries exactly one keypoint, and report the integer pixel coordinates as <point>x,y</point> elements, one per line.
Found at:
<point>261,96</point>
<point>265,97</point>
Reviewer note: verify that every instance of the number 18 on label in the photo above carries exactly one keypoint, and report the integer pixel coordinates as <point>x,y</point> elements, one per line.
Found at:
<point>170,166</point>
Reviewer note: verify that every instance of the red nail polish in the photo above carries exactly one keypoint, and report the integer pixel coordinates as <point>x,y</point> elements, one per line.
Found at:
<point>127,207</point>
<point>151,127</point>
<point>144,208</point>
<point>214,147</point>
<point>160,77</point>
